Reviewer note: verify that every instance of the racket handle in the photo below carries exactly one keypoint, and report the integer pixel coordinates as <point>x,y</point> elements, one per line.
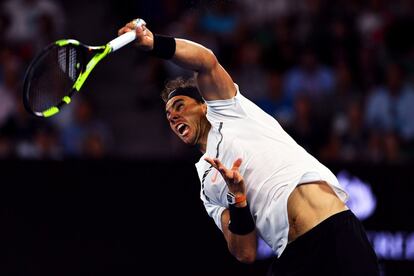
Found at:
<point>126,38</point>
<point>122,40</point>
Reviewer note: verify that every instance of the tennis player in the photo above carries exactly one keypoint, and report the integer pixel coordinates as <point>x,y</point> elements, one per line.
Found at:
<point>256,181</point>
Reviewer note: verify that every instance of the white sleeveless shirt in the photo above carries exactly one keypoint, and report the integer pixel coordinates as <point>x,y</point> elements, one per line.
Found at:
<point>273,165</point>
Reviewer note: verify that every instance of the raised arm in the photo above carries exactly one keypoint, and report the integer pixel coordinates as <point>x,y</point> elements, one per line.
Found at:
<point>214,82</point>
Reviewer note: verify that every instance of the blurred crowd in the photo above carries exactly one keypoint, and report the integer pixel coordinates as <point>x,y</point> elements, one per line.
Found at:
<point>26,27</point>
<point>337,75</point>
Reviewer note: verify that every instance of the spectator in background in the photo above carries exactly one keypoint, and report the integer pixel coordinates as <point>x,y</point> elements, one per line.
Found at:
<point>275,102</point>
<point>345,108</point>
<point>85,136</point>
<point>279,45</point>
<point>7,101</point>
<point>249,73</point>
<point>304,127</point>
<point>331,151</point>
<point>265,12</point>
<point>223,22</point>
<point>384,148</point>
<point>371,22</point>
<point>33,21</point>
<point>4,25</point>
<point>375,149</point>
<point>389,108</point>
<point>346,91</point>
<point>6,148</point>
<point>189,26</point>
<point>9,65</point>
<point>353,136</point>
<point>309,78</point>
<point>43,144</point>
<point>342,42</point>
<point>24,137</point>
<point>7,104</point>
<point>221,18</point>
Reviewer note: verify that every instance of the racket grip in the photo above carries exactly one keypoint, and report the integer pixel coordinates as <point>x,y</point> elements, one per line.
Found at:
<point>122,40</point>
<point>126,38</point>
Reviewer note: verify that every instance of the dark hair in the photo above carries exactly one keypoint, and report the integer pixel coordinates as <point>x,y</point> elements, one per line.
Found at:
<point>174,84</point>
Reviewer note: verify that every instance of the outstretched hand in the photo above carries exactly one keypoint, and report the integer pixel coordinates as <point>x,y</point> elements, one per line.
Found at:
<point>233,178</point>
<point>144,39</point>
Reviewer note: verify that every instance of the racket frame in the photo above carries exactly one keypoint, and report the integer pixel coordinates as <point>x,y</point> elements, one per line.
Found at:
<point>102,52</point>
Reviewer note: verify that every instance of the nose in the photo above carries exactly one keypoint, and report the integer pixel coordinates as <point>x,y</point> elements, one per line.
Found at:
<point>172,117</point>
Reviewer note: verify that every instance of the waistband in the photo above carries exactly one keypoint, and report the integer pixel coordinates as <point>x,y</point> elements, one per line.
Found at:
<point>330,222</point>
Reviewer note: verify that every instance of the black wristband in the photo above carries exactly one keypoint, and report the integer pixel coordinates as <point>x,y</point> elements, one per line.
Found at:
<point>164,47</point>
<point>241,220</point>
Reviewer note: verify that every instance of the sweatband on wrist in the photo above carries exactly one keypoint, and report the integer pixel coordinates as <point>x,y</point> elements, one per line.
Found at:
<point>164,47</point>
<point>241,220</point>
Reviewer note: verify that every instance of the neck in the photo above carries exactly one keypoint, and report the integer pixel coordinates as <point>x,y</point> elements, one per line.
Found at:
<point>202,141</point>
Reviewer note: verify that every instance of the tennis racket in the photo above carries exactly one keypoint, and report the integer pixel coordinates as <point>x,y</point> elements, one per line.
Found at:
<point>61,69</point>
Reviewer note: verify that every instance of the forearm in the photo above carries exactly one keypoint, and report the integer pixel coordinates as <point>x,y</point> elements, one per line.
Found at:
<point>243,247</point>
<point>193,56</point>
<point>214,83</point>
<point>185,53</point>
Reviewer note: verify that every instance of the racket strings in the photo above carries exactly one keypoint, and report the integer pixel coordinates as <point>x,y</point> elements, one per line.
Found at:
<point>53,77</point>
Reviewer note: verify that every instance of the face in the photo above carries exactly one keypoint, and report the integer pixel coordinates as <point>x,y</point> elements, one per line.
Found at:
<point>187,118</point>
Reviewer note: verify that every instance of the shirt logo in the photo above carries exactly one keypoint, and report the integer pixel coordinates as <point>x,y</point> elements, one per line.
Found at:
<point>214,177</point>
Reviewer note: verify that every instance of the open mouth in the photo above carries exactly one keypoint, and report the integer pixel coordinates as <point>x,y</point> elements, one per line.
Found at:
<point>182,129</point>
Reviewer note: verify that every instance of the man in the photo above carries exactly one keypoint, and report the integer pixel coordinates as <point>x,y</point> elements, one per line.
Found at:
<point>268,186</point>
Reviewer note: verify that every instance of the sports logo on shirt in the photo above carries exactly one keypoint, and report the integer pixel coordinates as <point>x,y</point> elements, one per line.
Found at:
<point>214,177</point>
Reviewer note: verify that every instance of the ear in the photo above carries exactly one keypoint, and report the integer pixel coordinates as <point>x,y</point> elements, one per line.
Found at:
<point>204,107</point>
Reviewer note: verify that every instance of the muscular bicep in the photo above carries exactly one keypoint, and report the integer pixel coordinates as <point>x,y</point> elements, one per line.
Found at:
<point>213,81</point>
<point>216,84</point>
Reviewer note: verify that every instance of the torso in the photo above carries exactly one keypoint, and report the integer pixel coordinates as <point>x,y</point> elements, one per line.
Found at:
<point>273,165</point>
<point>309,204</point>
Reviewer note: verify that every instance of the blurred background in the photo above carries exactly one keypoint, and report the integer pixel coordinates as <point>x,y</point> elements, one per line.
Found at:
<point>106,188</point>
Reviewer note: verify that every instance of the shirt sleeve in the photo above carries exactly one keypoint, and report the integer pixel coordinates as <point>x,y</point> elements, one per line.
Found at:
<point>213,210</point>
<point>225,110</point>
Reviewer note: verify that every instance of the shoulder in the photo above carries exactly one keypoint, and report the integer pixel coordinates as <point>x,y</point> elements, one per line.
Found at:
<point>228,109</point>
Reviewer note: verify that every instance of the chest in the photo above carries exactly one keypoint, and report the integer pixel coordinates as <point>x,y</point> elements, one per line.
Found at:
<point>213,186</point>
<point>212,183</point>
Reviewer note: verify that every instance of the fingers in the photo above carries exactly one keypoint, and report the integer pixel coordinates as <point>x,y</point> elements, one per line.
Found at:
<point>236,164</point>
<point>210,161</point>
<point>232,176</point>
<point>216,164</point>
<point>123,30</point>
<point>129,28</point>
<point>132,26</point>
<point>233,173</point>
<point>220,166</point>
<point>237,177</point>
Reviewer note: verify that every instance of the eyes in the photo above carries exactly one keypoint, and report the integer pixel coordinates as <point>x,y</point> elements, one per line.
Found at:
<point>176,107</point>
<point>180,107</point>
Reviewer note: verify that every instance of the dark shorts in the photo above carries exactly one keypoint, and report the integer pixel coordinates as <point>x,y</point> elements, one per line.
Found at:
<point>336,246</point>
